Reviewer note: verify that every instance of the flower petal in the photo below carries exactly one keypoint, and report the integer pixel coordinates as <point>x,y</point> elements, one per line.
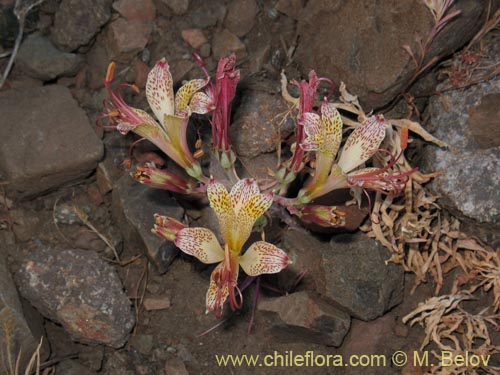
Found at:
<point>222,283</point>
<point>201,103</point>
<point>160,91</point>
<point>221,203</point>
<point>200,243</point>
<point>186,92</point>
<point>312,127</point>
<point>263,257</point>
<point>363,143</point>
<point>241,192</point>
<point>332,124</point>
<point>251,210</point>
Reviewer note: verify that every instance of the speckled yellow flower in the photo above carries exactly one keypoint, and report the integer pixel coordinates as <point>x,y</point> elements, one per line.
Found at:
<point>237,212</point>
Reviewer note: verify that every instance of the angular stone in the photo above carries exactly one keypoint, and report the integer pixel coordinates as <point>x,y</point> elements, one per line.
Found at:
<point>224,42</point>
<point>369,56</point>
<point>179,7</point>
<point>205,15</point>
<point>39,58</point>
<point>127,38</point>
<point>471,186</point>
<point>349,271</point>
<point>12,319</point>
<point>194,37</point>
<point>78,21</point>
<point>175,366</point>
<point>253,131</point>
<point>241,16</point>
<point>304,317</point>
<point>134,206</point>
<point>71,367</point>
<point>141,10</point>
<point>46,140</point>
<point>80,291</point>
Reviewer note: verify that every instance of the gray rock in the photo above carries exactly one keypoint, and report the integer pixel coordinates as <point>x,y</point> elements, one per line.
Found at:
<point>77,289</point>
<point>470,125</point>
<point>178,7</point>
<point>12,319</point>
<point>142,343</point>
<point>78,21</point>
<point>304,317</point>
<point>134,206</point>
<point>206,15</point>
<point>47,140</point>
<point>39,58</point>
<point>349,271</point>
<point>360,42</point>
<point>253,131</point>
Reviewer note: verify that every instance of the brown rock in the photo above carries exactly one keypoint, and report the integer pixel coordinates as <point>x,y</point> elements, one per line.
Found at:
<point>360,42</point>
<point>156,303</point>
<point>253,131</point>
<point>141,71</point>
<point>484,121</point>
<point>175,366</point>
<point>127,38</point>
<point>78,21</point>
<point>291,8</point>
<point>58,145</point>
<point>303,317</point>
<point>140,10</point>
<point>224,42</point>
<point>179,7</point>
<point>194,37</point>
<point>241,16</point>
<point>180,69</point>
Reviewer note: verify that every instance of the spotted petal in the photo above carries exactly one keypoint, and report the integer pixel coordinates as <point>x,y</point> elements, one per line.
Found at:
<point>186,92</point>
<point>221,203</point>
<point>221,281</point>
<point>312,127</point>
<point>201,103</point>
<point>250,211</point>
<point>363,143</point>
<point>200,243</point>
<point>160,91</point>
<point>241,192</point>
<point>332,124</point>
<point>263,257</point>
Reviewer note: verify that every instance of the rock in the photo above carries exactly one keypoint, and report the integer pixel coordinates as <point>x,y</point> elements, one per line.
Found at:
<point>142,343</point>
<point>179,7</point>
<point>241,16</point>
<point>484,121</point>
<point>141,71</point>
<point>128,38</point>
<point>291,8</point>
<point>180,69</point>
<point>78,21</point>
<point>134,206</point>
<point>471,186</point>
<point>253,131</point>
<point>8,26</point>
<point>375,338</point>
<point>12,319</point>
<point>39,58</point>
<point>80,291</point>
<point>206,15</point>
<point>224,42</point>
<point>369,56</point>
<point>303,317</point>
<point>71,367</point>
<point>140,10</point>
<point>58,145</point>
<point>349,271</point>
<point>175,366</point>
<point>156,303</point>
<point>194,37</point>
<point>205,50</point>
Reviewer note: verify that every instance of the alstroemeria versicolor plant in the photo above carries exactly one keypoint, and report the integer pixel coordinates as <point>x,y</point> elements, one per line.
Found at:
<point>318,139</point>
